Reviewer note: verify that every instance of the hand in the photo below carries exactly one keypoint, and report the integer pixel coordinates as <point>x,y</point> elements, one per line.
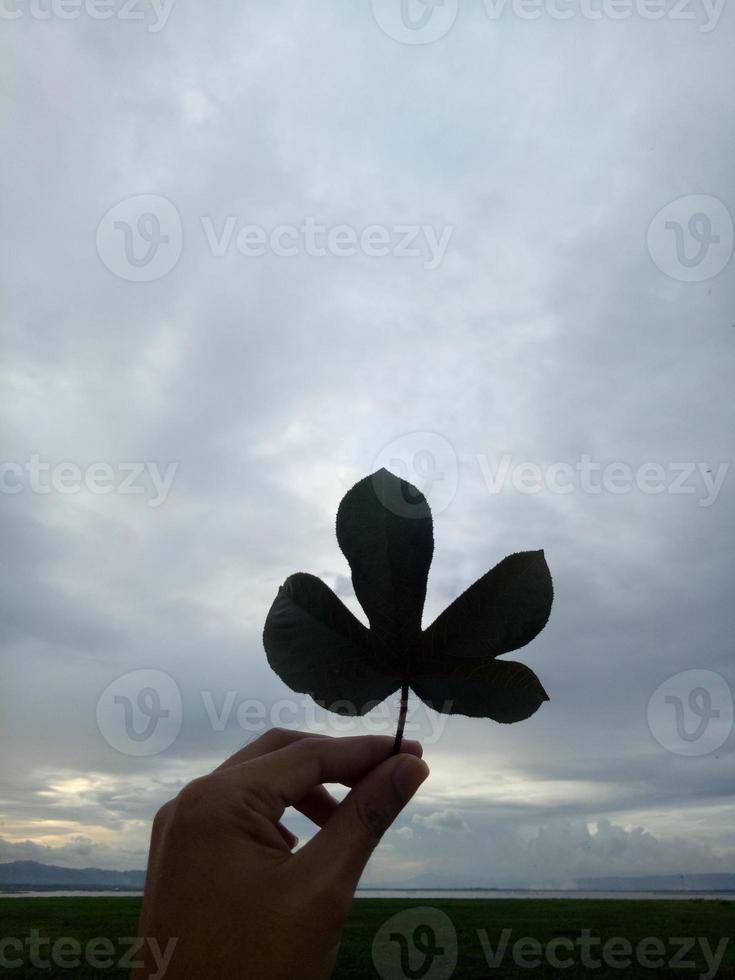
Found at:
<point>222,877</point>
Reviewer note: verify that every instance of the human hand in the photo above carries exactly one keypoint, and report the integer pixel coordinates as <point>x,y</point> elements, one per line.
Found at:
<point>222,878</point>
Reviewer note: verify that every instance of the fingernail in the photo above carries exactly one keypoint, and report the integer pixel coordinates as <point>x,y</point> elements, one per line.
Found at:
<point>412,746</point>
<point>408,774</point>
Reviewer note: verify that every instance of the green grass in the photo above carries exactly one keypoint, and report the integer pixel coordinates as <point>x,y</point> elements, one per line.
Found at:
<point>86,918</point>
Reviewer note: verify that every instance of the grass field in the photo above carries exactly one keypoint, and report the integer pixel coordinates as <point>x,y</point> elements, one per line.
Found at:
<point>479,925</point>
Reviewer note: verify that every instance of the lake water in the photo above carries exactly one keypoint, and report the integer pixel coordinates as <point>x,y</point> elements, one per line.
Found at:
<point>421,894</point>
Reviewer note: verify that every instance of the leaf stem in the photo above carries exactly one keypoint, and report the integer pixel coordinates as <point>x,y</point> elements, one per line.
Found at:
<point>401,718</point>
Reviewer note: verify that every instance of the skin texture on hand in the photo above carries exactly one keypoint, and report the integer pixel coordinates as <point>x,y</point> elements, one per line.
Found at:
<point>222,879</point>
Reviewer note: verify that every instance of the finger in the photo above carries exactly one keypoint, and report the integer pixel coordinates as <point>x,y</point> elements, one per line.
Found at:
<point>290,839</point>
<point>278,738</point>
<point>343,846</point>
<point>270,741</point>
<point>285,776</point>
<point>318,805</point>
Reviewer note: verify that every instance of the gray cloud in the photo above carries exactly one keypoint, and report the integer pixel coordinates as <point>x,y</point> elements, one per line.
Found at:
<point>547,332</point>
<point>442,820</point>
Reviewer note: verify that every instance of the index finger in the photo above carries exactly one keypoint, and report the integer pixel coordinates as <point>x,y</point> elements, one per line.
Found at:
<point>270,741</point>
<point>283,777</point>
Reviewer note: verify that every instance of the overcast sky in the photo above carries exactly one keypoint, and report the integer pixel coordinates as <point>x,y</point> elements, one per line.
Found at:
<point>254,251</point>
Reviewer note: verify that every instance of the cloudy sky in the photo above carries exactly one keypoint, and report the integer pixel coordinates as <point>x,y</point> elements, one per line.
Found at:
<point>251,252</point>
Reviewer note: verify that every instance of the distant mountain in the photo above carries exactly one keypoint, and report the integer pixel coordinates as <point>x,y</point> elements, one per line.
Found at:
<point>661,883</point>
<point>33,875</point>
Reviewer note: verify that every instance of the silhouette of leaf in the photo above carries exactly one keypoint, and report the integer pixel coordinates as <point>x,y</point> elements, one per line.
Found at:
<point>384,529</point>
<point>317,647</point>
<point>503,690</point>
<point>502,611</point>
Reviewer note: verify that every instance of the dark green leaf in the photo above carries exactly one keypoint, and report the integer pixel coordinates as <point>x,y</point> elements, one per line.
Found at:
<point>502,611</point>
<point>503,690</point>
<point>316,646</point>
<point>384,529</point>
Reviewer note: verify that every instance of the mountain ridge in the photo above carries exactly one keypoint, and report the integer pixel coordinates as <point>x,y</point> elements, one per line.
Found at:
<point>34,874</point>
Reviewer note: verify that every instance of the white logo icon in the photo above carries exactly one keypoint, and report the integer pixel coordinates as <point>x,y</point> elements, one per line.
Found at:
<point>415,21</point>
<point>140,713</point>
<point>691,713</point>
<point>428,461</point>
<point>692,238</point>
<point>417,943</point>
<point>140,239</point>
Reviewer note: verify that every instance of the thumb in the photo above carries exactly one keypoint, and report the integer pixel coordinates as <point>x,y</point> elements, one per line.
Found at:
<point>342,847</point>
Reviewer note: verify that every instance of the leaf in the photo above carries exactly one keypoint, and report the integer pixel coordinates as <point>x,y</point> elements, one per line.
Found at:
<point>385,531</point>
<point>503,690</point>
<point>384,528</point>
<point>503,611</point>
<point>317,647</point>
